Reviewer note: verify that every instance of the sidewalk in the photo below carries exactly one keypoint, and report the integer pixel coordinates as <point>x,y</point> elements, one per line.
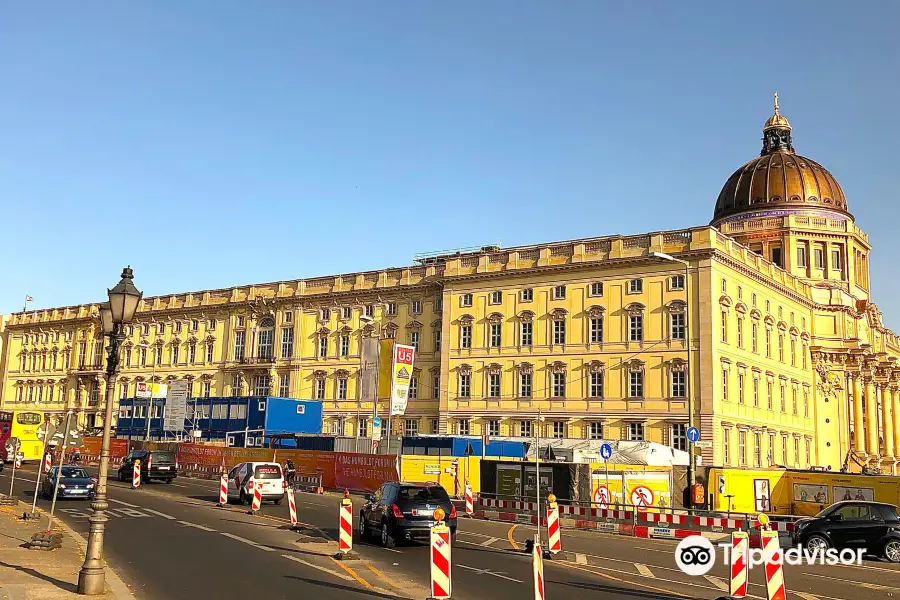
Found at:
<point>46,575</point>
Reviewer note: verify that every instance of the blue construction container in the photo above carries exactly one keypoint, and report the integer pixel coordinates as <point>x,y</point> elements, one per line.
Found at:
<point>456,446</point>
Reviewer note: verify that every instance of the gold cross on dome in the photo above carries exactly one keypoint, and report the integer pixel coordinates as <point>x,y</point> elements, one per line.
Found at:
<point>776,103</point>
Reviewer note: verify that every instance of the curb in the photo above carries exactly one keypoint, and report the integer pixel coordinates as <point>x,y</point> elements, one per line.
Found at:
<point>115,584</point>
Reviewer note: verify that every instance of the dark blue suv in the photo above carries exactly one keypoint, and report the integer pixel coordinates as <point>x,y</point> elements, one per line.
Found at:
<point>405,511</point>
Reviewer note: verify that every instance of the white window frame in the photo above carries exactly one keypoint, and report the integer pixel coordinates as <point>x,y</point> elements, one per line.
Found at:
<point>635,286</point>
<point>559,292</point>
<point>596,289</point>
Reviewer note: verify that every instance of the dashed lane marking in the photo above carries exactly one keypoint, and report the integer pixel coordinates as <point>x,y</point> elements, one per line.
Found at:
<point>499,574</point>
<point>321,568</point>
<point>509,536</point>
<point>195,526</point>
<point>122,503</point>
<point>248,542</point>
<point>489,541</point>
<point>720,584</point>
<point>159,514</point>
<point>805,596</point>
<point>644,570</point>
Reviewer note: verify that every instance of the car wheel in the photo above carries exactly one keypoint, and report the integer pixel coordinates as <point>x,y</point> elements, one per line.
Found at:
<point>387,538</point>
<point>363,528</point>
<point>121,476</point>
<point>242,498</point>
<point>892,550</point>
<point>817,542</point>
<point>276,502</point>
<point>169,480</point>
<point>452,538</point>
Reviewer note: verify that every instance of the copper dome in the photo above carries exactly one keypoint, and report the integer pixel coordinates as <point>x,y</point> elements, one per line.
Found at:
<point>779,179</point>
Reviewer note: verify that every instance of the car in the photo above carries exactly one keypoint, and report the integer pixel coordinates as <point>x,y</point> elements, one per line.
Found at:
<point>155,464</point>
<point>871,526</point>
<point>405,511</point>
<point>243,478</point>
<point>73,483</point>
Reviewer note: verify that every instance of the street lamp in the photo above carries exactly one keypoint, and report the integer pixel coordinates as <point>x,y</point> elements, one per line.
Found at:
<point>114,316</point>
<point>690,373</point>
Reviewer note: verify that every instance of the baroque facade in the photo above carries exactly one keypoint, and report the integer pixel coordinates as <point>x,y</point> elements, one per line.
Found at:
<point>769,330</point>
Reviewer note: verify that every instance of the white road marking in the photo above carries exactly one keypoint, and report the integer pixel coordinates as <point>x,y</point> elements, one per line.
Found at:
<point>130,512</point>
<point>489,541</point>
<point>246,541</point>
<point>203,527</point>
<point>488,572</point>
<point>580,559</point>
<point>719,583</point>
<point>123,503</point>
<point>644,570</point>
<point>871,586</point>
<point>805,596</point>
<point>327,570</point>
<point>473,534</point>
<point>159,514</point>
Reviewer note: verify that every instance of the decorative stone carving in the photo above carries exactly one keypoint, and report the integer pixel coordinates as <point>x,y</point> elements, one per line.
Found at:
<point>596,366</point>
<point>319,374</point>
<point>596,311</point>
<point>494,368</point>
<point>525,367</point>
<point>495,317</point>
<point>526,316</point>
<point>558,367</point>
<point>678,364</point>
<point>558,314</point>
<point>635,308</point>
<point>464,369</point>
<point>466,320</point>
<point>634,365</point>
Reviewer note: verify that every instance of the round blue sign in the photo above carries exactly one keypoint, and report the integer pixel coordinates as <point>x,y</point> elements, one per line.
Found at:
<point>693,434</point>
<point>376,422</point>
<point>605,451</point>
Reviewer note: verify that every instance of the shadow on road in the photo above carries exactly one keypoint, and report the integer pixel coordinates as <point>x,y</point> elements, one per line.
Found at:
<point>343,588</point>
<point>63,585</point>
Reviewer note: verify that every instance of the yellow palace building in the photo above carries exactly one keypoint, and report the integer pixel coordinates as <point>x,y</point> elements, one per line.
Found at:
<point>761,322</point>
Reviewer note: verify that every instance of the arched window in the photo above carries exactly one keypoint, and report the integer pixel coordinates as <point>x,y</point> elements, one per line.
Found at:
<point>266,347</point>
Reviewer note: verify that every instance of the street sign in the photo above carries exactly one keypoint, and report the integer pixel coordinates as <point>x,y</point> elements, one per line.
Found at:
<point>176,405</point>
<point>469,449</point>
<point>13,444</point>
<point>150,390</point>
<point>642,496</point>
<point>605,451</point>
<point>376,422</point>
<point>46,430</point>
<point>693,435</point>
<point>704,444</point>
<point>401,376</point>
<point>376,428</point>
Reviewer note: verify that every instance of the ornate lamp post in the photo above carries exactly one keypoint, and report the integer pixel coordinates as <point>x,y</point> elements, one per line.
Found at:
<point>114,316</point>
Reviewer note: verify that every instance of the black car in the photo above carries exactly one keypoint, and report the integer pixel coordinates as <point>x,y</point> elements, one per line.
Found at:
<point>155,464</point>
<point>872,526</point>
<point>404,511</point>
<point>73,483</point>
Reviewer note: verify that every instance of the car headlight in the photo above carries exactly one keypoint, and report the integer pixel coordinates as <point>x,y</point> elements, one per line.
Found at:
<point>90,486</point>
<point>62,486</point>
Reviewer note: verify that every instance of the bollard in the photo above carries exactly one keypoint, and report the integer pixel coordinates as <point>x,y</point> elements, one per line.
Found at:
<point>18,462</point>
<point>470,500</point>
<point>136,475</point>
<point>441,581</point>
<point>257,497</point>
<point>739,580</point>
<point>553,536</point>
<point>48,462</point>
<point>223,490</point>
<point>537,560</point>
<point>345,542</point>
<point>773,558</point>
<point>292,506</point>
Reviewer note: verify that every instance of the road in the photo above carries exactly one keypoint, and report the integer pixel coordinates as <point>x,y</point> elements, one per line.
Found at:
<point>170,541</point>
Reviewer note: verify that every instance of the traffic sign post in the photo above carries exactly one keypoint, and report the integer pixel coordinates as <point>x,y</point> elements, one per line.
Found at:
<point>44,433</point>
<point>693,435</point>
<point>64,439</point>
<point>441,579</point>
<point>606,454</point>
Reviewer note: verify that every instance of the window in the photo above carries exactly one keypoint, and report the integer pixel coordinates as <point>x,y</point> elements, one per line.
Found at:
<point>125,412</point>
<point>494,385</point>
<point>413,388</point>
<point>559,292</point>
<point>802,356</point>
<point>462,427</point>
<point>679,436</point>
<point>362,427</point>
<point>192,353</point>
<point>784,452</point>
<point>369,310</point>
<point>596,384</point>
<point>325,314</point>
<point>559,332</point>
<point>495,335</point>
<point>266,346</point>
<point>160,328</point>
<point>415,307</point>
<point>597,330</point>
<point>439,304</point>
<point>768,343</point>
<point>636,384</point>
<point>159,353</point>
<point>465,336</point>
<point>801,256</point>
<point>783,399</point>
<point>465,385</point>
<point>527,295</point>
<point>558,430</point>
<point>679,384</point>
<point>320,389</point>
<point>756,392</point>
<point>805,402</point>
<point>835,263</point>
<point>636,328</point>
<point>794,401</point>
<point>757,450</point>
<point>177,326</point>
<point>236,383</point>
<point>262,385</point>
<point>818,258</point>
<point>527,333</point>
<point>342,388</point>
<point>770,451</point>
<point>769,394</point>
<point>123,395</point>
<point>525,429</point>
<point>346,313</point>
<point>496,297</point>
<point>392,309</point>
<point>679,326</point>
<point>206,389</point>
<point>808,444</point>
<point>466,300</point>
<point>725,385</point>
<point>345,345</point>
<point>793,352</point>
<point>209,351</point>
<point>595,430</point>
<point>676,282</point>
<point>436,386</point>
<point>742,447</point>
<point>437,339</point>
<point>724,326</point>
<point>740,332</point>
<point>323,346</point>
<point>525,385</point>
<point>494,427</point>
<point>288,317</point>
<point>796,452</point>
<point>754,330</point>
<point>143,355</point>
<point>240,338</point>
<point>781,347</point>
<point>559,385</point>
<point>414,339</point>
<point>411,427</point>
<point>635,286</point>
<point>596,289</point>
<point>287,342</point>
<point>726,454</point>
<point>776,256</point>
<point>635,432</point>
<point>740,388</point>
<point>724,286</point>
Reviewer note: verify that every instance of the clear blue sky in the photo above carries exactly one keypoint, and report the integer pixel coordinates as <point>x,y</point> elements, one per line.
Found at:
<point>216,143</point>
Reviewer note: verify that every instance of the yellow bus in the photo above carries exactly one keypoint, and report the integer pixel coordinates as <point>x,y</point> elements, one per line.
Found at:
<point>22,424</point>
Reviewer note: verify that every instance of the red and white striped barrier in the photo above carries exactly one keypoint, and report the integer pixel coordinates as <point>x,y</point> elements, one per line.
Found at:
<point>48,462</point>
<point>601,513</point>
<point>223,490</point>
<point>441,581</point>
<point>719,522</point>
<point>553,537</point>
<point>18,462</point>
<point>257,497</point>
<point>470,500</point>
<point>292,506</point>
<point>345,525</point>
<point>774,560</point>
<point>136,475</point>
<point>739,549</point>
<point>663,518</point>
<point>537,561</point>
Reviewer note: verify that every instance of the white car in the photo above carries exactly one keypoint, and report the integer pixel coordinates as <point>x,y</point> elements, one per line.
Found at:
<point>243,479</point>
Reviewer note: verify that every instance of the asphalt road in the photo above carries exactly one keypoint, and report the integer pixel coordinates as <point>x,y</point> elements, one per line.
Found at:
<point>169,541</point>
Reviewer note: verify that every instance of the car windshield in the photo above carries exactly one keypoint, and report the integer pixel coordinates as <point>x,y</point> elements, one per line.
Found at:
<point>267,472</point>
<point>74,473</point>
<point>431,494</point>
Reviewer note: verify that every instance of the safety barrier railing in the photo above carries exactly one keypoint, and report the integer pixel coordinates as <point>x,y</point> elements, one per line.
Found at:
<point>309,482</point>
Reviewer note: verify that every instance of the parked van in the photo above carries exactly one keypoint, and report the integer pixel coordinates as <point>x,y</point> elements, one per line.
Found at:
<point>267,475</point>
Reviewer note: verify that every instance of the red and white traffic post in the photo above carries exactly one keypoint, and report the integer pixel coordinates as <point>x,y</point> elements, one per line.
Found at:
<point>223,490</point>
<point>18,461</point>
<point>257,497</point>
<point>553,536</point>
<point>441,580</point>
<point>774,561</point>
<point>48,462</point>
<point>537,561</point>
<point>470,500</point>
<point>739,574</point>
<point>345,529</point>
<point>136,475</point>
<point>292,505</point>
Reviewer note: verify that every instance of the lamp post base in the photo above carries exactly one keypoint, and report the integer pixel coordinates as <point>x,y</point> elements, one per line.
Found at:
<point>92,581</point>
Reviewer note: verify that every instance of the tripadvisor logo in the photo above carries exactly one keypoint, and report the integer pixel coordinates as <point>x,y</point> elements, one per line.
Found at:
<point>695,555</point>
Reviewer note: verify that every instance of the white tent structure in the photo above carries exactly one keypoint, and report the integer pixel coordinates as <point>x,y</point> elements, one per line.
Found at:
<point>587,451</point>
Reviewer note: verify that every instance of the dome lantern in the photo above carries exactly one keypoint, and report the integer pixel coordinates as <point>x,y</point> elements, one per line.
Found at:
<point>777,133</point>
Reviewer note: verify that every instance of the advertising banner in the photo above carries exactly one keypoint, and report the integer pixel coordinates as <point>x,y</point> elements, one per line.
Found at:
<point>117,448</point>
<point>368,369</point>
<point>364,472</point>
<point>401,375</point>
<point>150,390</point>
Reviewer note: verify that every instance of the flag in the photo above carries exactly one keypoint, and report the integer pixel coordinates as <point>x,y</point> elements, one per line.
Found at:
<point>28,298</point>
